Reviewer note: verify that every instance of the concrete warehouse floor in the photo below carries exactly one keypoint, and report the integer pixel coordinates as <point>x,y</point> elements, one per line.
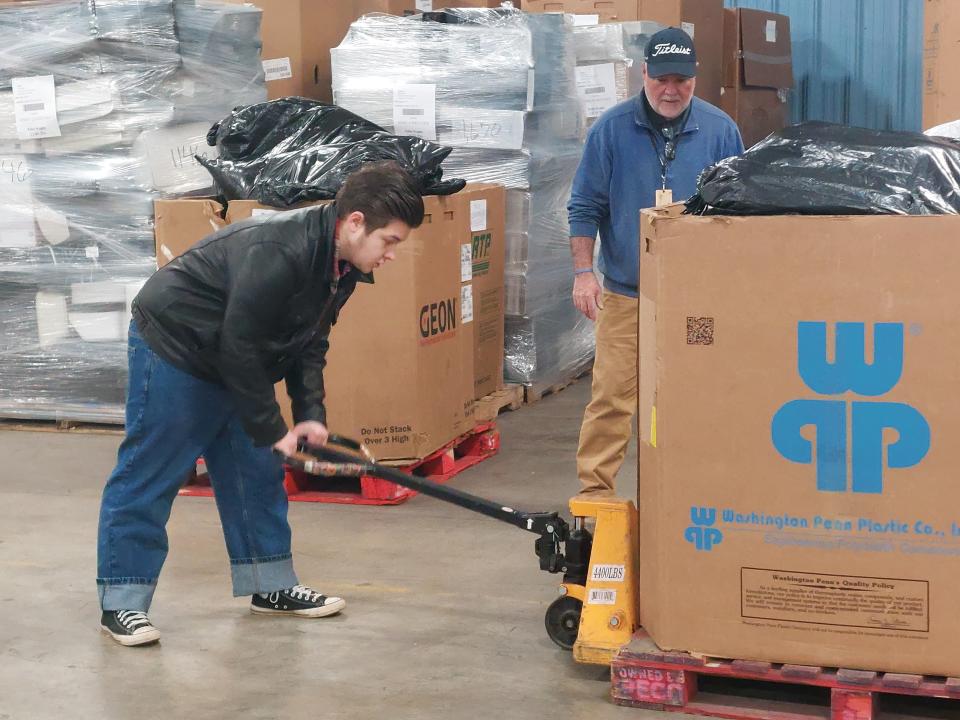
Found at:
<point>444,617</point>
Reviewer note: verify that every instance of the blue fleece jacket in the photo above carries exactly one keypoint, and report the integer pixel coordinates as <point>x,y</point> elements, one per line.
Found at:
<point>620,173</point>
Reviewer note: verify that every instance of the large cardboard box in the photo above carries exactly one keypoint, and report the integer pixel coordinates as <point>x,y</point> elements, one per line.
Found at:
<point>797,483</point>
<point>703,21</point>
<point>483,258</point>
<point>757,111</point>
<point>941,55</point>
<point>179,224</point>
<point>757,71</point>
<point>400,370</point>
<point>409,7</point>
<point>297,36</point>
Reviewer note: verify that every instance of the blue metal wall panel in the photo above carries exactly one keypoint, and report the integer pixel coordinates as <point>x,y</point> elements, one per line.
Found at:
<point>858,62</point>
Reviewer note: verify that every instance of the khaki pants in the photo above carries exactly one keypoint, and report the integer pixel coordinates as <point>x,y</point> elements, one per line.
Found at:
<point>606,425</point>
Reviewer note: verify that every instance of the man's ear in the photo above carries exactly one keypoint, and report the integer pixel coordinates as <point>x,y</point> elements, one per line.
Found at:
<point>357,220</point>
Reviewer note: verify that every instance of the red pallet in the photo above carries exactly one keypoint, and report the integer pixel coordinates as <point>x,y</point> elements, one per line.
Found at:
<point>644,676</point>
<point>454,457</point>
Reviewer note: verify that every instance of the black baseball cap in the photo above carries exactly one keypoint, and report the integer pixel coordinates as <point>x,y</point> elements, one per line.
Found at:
<point>671,52</point>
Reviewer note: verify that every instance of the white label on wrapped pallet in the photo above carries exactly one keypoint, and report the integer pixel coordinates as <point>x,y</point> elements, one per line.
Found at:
<point>586,20</point>
<point>531,87</point>
<point>35,107</point>
<point>597,88</point>
<point>277,69</point>
<point>466,262</point>
<point>415,110</point>
<point>688,28</point>
<point>771,31</point>
<point>466,304</point>
<point>494,129</point>
<point>92,251</point>
<point>17,228</point>
<point>478,215</point>
<point>424,5</point>
<point>602,596</point>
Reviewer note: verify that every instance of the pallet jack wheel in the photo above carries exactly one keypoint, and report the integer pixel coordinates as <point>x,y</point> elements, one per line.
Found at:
<point>563,621</point>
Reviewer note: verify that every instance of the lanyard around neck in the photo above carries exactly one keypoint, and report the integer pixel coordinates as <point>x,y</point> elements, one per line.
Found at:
<point>668,155</point>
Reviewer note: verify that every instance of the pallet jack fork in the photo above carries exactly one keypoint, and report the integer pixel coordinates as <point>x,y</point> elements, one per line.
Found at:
<point>597,611</point>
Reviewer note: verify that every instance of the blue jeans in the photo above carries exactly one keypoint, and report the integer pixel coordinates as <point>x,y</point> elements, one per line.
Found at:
<point>172,418</point>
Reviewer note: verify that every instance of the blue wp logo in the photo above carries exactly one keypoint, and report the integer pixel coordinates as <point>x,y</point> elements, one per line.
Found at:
<point>702,533</point>
<point>850,373</point>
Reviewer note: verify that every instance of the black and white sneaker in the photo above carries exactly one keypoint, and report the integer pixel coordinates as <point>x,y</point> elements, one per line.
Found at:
<point>299,601</point>
<point>129,627</point>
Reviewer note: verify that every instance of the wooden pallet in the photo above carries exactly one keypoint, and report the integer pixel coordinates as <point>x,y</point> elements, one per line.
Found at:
<point>510,397</point>
<point>536,392</point>
<point>644,676</point>
<point>440,466</point>
<point>68,426</point>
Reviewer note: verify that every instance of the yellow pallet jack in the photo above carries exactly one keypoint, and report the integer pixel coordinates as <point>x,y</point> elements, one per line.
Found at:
<point>597,611</point>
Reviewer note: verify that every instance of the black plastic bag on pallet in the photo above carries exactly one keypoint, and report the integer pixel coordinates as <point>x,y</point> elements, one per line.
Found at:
<point>294,150</point>
<point>824,169</point>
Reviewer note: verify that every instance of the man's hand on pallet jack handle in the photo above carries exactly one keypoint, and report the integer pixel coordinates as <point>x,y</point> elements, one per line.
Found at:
<point>309,432</point>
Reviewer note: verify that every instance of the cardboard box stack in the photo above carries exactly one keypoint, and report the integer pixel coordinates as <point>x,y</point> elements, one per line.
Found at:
<point>411,352</point>
<point>796,470</point>
<point>757,71</point>
<point>498,86</point>
<point>94,125</point>
<point>941,84</point>
<point>702,19</point>
<point>604,10</point>
<point>298,35</point>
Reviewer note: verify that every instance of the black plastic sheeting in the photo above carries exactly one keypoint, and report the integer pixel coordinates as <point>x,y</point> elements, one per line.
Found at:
<point>824,169</point>
<point>294,150</point>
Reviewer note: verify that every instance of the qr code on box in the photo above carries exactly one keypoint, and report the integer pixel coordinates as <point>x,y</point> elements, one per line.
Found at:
<point>699,331</point>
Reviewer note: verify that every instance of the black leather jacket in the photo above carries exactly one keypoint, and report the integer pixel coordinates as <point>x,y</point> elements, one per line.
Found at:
<point>248,306</point>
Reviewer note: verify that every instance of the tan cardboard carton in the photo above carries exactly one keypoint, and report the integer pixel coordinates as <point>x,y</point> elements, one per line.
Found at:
<point>797,483</point>
<point>180,224</point>
<point>757,111</point>
<point>757,49</point>
<point>409,7</point>
<point>941,55</point>
<point>484,245</point>
<point>297,36</point>
<point>757,71</point>
<point>608,10</point>
<point>400,368</point>
<point>703,21</point>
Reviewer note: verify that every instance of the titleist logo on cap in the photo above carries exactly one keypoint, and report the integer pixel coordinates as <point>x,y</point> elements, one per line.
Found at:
<point>669,49</point>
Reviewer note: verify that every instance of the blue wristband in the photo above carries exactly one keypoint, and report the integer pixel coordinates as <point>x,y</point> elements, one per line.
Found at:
<point>581,271</point>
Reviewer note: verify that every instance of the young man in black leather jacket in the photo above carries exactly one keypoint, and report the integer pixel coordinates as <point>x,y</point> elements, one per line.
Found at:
<point>212,332</point>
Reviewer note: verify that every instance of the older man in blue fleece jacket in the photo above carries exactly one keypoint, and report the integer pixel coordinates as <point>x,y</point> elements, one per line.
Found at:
<point>660,139</point>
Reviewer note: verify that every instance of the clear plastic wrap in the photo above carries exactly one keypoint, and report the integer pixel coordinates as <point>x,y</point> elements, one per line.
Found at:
<point>548,348</point>
<point>501,90</point>
<point>950,130</point>
<point>76,221</point>
<point>602,68</point>
<point>220,47</point>
<point>635,38</point>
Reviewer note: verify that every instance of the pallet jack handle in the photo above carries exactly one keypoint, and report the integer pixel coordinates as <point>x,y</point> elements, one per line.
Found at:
<point>344,457</point>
